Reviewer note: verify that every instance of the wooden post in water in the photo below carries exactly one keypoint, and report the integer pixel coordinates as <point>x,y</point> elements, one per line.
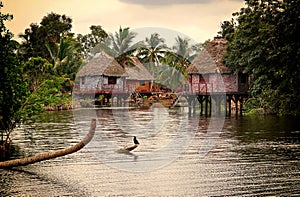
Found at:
<point>229,104</point>
<point>210,106</point>
<point>241,105</point>
<point>194,106</point>
<point>200,99</point>
<point>206,105</point>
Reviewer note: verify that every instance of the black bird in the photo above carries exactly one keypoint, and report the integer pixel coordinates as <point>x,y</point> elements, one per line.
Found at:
<point>135,140</point>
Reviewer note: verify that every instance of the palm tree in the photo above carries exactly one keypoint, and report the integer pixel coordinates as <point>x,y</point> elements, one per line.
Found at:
<point>65,57</point>
<point>153,52</point>
<point>176,61</point>
<point>122,47</point>
<point>170,76</point>
<point>119,45</point>
<point>183,52</point>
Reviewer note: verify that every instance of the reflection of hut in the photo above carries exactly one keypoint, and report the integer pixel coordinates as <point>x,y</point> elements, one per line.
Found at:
<point>138,78</point>
<point>102,74</point>
<point>210,79</point>
<point>209,75</point>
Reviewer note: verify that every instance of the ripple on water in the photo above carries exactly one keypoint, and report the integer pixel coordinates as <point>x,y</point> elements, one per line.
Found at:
<point>246,160</point>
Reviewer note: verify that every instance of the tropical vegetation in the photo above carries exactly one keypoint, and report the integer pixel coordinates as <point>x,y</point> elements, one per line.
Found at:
<point>263,43</point>
<point>38,73</point>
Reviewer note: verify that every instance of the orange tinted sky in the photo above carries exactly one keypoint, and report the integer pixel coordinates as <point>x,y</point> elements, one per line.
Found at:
<point>199,19</point>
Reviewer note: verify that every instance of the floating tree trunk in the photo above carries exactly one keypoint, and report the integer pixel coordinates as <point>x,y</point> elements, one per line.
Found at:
<point>52,154</point>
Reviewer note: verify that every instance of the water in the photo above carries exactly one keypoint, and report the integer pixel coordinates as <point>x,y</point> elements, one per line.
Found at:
<point>182,156</point>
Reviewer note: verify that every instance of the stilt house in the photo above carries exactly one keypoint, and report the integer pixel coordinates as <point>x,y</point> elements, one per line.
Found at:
<point>208,75</point>
<point>102,75</point>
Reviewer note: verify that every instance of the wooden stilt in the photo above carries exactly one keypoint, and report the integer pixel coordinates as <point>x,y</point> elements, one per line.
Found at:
<point>201,108</point>
<point>218,105</point>
<point>236,101</point>
<point>200,99</point>
<point>194,106</point>
<point>241,106</point>
<point>210,107</point>
<point>206,105</point>
<point>226,105</point>
<point>229,105</point>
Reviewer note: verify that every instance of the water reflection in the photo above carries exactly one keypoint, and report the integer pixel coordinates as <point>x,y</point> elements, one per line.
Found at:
<point>164,136</point>
<point>251,156</point>
<point>268,138</point>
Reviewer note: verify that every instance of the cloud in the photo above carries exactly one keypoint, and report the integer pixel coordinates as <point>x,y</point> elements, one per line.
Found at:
<point>168,2</point>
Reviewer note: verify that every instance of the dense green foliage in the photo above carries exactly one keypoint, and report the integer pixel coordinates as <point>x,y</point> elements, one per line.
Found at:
<point>36,74</point>
<point>91,40</point>
<point>49,32</point>
<point>264,43</point>
<point>66,57</point>
<point>13,86</point>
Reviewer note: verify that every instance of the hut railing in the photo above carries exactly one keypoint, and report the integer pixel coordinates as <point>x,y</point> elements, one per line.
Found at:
<point>105,88</point>
<point>202,88</point>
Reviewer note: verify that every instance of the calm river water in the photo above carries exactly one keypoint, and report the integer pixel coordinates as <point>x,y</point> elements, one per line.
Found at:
<point>178,155</point>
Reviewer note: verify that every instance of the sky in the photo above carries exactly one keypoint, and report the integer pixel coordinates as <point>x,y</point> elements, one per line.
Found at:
<point>199,20</point>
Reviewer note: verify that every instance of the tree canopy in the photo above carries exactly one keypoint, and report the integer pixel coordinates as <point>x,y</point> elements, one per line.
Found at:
<point>49,32</point>
<point>263,43</point>
<point>13,87</point>
<point>36,73</point>
<point>91,40</point>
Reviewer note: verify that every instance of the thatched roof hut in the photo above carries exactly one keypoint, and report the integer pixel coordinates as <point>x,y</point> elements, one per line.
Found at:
<point>102,65</point>
<point>138,72</point>
<point>209,60</point>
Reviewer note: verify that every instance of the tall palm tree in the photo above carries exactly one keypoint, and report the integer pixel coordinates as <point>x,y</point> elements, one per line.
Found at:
<point>122,45</point>
<point>119,45</point>
<point>183,52</point>
<point>153,52</point>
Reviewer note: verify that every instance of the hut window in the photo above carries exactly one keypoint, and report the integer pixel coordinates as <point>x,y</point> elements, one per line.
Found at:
<point>112,80</point>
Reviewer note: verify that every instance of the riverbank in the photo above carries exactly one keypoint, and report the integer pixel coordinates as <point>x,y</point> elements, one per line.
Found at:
<point>63,102</point>
<point>59,106</point>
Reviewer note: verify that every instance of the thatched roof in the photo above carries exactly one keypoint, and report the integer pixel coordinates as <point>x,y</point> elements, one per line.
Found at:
<point>138,71</point>
<point>209,60</point>
<point>102,64</point>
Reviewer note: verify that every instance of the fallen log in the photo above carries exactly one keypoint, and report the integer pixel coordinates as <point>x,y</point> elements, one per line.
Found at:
<point>52,154</point>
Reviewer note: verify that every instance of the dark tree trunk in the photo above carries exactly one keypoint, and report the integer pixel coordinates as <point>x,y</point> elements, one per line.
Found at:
<point>52,154</point>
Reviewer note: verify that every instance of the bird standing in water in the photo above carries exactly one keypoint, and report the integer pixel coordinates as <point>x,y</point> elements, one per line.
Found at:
<point>135,140</point>
<point>130,148</point>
